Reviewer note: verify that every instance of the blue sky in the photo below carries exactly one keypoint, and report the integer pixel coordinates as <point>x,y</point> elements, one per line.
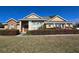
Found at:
<point>70,13</point>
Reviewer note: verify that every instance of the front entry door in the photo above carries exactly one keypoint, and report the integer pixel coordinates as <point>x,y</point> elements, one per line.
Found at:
<point>24,26</point>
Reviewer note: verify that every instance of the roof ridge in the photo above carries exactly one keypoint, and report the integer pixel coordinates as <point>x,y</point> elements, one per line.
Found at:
<point>11,19</point>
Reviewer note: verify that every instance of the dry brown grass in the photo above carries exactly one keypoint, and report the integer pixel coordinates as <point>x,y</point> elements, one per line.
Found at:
<point>39,44</point>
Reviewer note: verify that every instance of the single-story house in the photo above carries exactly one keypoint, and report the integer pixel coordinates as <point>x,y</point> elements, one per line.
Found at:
<point>34,22</point>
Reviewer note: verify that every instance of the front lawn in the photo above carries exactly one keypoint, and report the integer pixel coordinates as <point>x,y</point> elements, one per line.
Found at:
<point>39,44</point>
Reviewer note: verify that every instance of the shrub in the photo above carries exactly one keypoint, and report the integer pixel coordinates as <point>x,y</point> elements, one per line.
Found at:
<point>53,31</point>
<point>9,32</point>
<point>28,32</point>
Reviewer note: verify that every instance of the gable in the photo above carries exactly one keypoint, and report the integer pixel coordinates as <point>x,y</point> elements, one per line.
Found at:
<point>57,19</point>
<point>32,16</point>
<point>12,22</point>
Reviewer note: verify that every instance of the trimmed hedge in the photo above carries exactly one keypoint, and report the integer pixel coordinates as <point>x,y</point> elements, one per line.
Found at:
<point>53,31</point>
<point>9,32</point>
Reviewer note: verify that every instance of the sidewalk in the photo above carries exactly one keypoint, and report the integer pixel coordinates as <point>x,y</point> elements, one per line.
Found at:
<point>48,35</point>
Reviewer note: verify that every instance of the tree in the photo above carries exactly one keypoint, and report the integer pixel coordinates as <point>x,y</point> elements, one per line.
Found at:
<point>1,25</point>
<point>77,25</point>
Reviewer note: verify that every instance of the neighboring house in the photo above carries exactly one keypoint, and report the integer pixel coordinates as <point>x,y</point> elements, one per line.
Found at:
<point>34,22</point>
<point>11,24</point>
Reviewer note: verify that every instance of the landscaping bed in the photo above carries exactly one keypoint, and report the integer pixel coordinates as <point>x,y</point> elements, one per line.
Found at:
<point>9,32</point>
<point>53,31</point>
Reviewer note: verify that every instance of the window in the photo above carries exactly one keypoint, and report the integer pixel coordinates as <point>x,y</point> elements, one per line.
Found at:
<point>11,26</point>
<point>58,25</point>
<point>35,23</point>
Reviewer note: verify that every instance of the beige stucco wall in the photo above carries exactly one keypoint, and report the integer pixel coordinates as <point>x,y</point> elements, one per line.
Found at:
<point>5,26</point>
<point>47,26</point>
<point>18,27</point>
<point>24,30</point>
